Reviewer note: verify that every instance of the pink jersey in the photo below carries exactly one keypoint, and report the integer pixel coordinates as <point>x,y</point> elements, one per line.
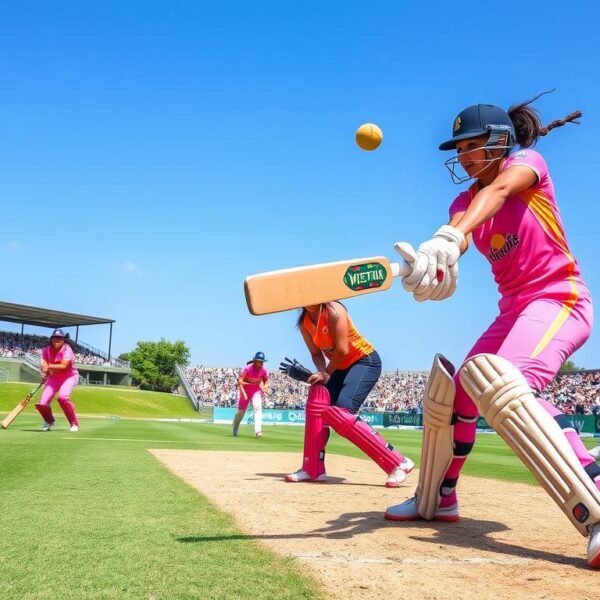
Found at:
<point>65,353</point>
<point>252,378</point>
<point>525,240</point>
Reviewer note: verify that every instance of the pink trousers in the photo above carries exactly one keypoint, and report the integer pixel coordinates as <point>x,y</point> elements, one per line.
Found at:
<point>537,333</point>
<point>63,386</point>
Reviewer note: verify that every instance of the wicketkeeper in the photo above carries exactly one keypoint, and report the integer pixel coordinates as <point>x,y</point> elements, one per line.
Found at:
<point>348,368</point>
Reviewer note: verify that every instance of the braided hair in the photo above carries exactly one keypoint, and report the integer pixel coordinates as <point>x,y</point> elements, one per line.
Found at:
<point>527,123</point>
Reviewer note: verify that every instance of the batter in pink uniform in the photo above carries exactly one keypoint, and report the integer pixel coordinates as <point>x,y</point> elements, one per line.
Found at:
<point>545,314</point>
<point>60,377</point>
<point>252,384</point>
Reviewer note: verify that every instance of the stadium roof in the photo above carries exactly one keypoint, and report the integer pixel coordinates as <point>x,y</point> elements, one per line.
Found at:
<point>44,317</point>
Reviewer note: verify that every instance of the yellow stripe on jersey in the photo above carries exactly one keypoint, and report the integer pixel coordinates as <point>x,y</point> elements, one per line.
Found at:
<point>543,211</point>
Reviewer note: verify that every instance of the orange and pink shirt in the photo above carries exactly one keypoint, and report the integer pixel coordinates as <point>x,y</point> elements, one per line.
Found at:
<point>525,241</point>
<point>64,353</point>
<point>358,346</point>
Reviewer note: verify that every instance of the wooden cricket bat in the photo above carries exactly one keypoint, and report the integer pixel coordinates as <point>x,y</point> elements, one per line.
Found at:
<point>243,392</point>
<point>19,408</point>
<point>276,291</point>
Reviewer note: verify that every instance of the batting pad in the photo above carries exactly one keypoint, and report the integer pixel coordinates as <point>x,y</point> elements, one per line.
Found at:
<point>437,449</point>
<point>506,401</point>
<point>316,433</point>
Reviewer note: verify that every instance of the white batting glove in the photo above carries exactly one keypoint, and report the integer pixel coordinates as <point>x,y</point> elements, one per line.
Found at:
<point>434,257</point>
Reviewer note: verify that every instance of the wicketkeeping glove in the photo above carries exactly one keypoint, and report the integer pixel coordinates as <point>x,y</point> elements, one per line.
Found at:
<point>295,370</point>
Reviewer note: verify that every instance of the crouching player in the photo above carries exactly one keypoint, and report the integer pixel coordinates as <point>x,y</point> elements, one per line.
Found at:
<point>338,389</point>
<point>545,315</point>
<point>252,384</point>
<point>60,377</point>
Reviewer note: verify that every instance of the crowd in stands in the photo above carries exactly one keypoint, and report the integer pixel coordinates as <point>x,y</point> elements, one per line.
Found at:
<point>573,393</point>
<point>15,345</point>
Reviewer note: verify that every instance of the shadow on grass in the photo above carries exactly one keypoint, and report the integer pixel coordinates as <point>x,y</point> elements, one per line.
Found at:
<point>468,533</point>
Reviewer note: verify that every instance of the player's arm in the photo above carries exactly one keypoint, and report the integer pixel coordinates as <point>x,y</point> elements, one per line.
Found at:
<point>264,385</point>
<point>315,353</point>
<point>338,327</point>
<point>63,365</point>
<point>489,200</point>
<point>454,221</point>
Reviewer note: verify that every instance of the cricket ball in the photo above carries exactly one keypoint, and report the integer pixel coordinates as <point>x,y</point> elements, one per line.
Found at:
<point>368,136</point>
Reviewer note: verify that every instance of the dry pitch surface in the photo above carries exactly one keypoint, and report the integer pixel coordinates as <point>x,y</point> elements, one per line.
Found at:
<point>511,542</point>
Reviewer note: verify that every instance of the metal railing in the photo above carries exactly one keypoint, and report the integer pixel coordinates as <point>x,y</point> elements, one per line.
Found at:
<point>186,386</point>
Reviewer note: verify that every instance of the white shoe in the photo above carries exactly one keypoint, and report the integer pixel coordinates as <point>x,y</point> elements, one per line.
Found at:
<point>47,426</point>
<point>301,476</point>
<point>595,453</point>
<point>399,474</point>
<point>74,428</point>
<point>259,434</point>
<point>593,551</point>
<point>407,511</point>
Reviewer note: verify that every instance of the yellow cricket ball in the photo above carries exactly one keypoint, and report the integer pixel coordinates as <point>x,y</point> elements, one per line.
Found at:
<point>368,136</point>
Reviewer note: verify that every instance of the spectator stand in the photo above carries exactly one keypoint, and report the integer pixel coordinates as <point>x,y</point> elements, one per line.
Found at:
<point>19,352</point>
<point>395,392</point>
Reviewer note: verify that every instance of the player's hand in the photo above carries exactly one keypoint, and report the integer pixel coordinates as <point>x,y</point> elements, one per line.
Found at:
<point>435,260</point>
<point>319,377</point>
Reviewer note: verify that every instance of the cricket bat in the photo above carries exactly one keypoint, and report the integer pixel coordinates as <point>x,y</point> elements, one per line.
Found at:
<point>276,291</point>
<point>19,408</point>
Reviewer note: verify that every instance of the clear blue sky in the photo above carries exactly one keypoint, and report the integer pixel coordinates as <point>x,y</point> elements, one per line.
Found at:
<point>153,154</point>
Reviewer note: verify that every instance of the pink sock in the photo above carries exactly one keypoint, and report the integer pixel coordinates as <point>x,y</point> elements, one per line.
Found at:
<point>465,429</point>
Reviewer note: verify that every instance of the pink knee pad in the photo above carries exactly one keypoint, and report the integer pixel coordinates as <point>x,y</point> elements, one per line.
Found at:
<point>69,410</point>
<point>46,412</point>
<point>315,433</point>
<point>363,436</point>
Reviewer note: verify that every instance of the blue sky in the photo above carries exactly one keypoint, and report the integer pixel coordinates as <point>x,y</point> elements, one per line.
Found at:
<point>153,154</point>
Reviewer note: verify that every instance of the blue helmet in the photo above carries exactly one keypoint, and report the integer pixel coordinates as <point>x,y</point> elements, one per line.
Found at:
<point>259,356</point>
<point>58,333</point>
<point>479,119</point>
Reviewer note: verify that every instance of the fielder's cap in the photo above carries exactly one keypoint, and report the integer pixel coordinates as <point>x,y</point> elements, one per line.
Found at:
<point>477,120</point>
<point>259,356</point>
<point>59,333</point>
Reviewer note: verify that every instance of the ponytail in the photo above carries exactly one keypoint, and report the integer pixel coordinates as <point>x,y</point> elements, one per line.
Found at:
<point>527,123</point>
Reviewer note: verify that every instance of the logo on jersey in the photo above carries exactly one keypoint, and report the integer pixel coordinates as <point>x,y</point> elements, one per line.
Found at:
<point>501,245</point>
<point>365,276</point>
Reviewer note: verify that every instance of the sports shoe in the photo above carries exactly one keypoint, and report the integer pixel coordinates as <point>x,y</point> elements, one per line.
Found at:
<point>74,428</point>
<point>301,476</point>
<point>259,434</point>
<point>235,431</point>
<point>593,551</point>
<point>399,474</point>
<point>407,511</point>
<point>47,426</point>
<point>595,453</point>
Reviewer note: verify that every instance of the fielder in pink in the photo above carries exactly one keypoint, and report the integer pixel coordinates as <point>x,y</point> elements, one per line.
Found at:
<point>545,309</point>
<point>252,382</point>
<point>58,367</point>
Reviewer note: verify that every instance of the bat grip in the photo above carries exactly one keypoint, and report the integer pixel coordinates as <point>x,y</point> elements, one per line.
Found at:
<point>401,269</point>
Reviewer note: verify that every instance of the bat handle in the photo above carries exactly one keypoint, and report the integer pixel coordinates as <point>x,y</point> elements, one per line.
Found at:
<point>401,269</point>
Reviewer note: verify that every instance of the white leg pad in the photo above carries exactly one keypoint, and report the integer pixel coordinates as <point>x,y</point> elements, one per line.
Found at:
<point>437,449</point>
<point>506,401</point>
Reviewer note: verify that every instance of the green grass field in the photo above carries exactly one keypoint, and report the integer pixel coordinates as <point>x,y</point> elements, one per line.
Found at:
<point>94,515</point>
